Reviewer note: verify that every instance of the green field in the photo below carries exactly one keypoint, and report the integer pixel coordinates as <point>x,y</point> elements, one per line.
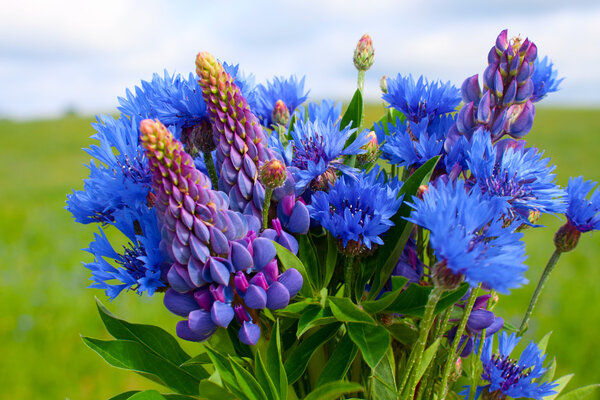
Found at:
<point>45,305</point>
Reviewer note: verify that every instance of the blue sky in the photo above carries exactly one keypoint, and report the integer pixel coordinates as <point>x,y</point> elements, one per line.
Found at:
<point>82,55</point>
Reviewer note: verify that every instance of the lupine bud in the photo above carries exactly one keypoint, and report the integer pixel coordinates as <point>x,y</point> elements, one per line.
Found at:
<point>364,53</point>
<point>566,237</point>
<point>273,173</point>
<point>280,114</point>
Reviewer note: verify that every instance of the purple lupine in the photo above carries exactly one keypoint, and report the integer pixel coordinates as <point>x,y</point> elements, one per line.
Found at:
<point>220,271</point>
<point>241,142</point>
<point>504,107</point>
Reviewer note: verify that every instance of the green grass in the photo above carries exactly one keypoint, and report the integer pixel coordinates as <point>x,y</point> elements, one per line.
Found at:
<point>45,305</point>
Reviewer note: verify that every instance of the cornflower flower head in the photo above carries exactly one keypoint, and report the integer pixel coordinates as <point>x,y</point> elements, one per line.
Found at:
<point>423,99</point>
<point>358,209</point>
<point>318,151</point>
<point>468,236</point>
<point>517,175</point>
<point>326,110</point>
<point>245,82</point>
<point>291,91</point>
<point>544,79</point>
<point>513,378</point>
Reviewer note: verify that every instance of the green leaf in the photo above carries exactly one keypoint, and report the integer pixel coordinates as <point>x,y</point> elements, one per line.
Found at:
<point>333,390</point>
<point>543,343</point>
<point>387,256</point>
<point>200,359</point>
<point>246,382</point>
<point>168,396</point>
<point>509,327</point>
<point>241,349</point>
<point>384,384</point>
<point>298,359</point>
<point>314,316</point>
<point>331,260</point>
<point>353,115</point>
<point>549,374</point>
<point>562,383</point>
<point>289,260</point>
<point>211,391</point>
<point>307,253</point>
<point>372,340</point>
<point>296,310</point>
<point>275,366</point>
<point>155,339</point>
<point>375,306</point>
<point>127,354</point>
<point>124,395</point>
<point>263,378</point>
<point>403,332</point>
<point>346,311</point>
<point>339,362</point>
<point>225,370</point>
<point>147,395</point>
<point>580,393</point>
<point>412,301</point>
<point>427,357</point>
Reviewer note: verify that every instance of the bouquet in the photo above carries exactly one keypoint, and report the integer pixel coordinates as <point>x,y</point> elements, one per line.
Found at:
<point>313,257</point>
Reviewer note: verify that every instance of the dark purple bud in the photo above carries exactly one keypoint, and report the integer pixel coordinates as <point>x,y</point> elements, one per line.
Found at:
<point>258,195</point>
<point>494,327</point>
<point>204,298</point>
<point>278,297</point>
<point>221,314</point>
<point>183,331</point>
<point>470,89</point>
<point>498,124</point>
<point>180,252</point>
<point>514,66</point>
<point>451,138</point>
<point>288,241</point>
<point>465,122</point>
<point>271,271</point>
<point>299,221</point>
<point>479,320</point>
<point>493,57</point>
<point>263,252</point>
<point>179,303</point>
<point>201,230</point>
<point>260,281</point>
<point>201,323</point>
<point>488,77</point>
<point>292,280</point>
<point>255,297</point>
<point>524,93</point>
<point>249,333</point>
<point>520,120</point>
<point>179,279</point>
<point>219,272</point>
<point>510,93</point>
<point>524,73</point>
<point>481,301</point>
<point>498,84</point>
<point>240,257</point>
<point>531,53</point>
<point>468,349</point>
<point>502,41</point>
<point>241,313</point>
<point>195,271</point>
<point>218,241</point>
<point>484,112</point>
<point>241,282</point>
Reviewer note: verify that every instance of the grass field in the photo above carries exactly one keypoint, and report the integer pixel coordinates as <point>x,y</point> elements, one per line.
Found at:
<point>45,305</point>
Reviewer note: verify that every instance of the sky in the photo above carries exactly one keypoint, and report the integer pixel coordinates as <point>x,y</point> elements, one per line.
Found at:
<point>81,55</point>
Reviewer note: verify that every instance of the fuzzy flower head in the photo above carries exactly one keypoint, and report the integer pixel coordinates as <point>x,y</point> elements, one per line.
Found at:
<point>358,209</point>
<point>513,378</point>
<point>318,150</point>
<point>468,236</point>
<point>422,99</point>
<point>364,53</point>
<point>517,175</point>
<point>290,91</point>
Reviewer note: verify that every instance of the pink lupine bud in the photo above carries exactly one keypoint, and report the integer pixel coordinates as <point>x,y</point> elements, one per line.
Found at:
<point>273,174</point>
<point>364,53</point>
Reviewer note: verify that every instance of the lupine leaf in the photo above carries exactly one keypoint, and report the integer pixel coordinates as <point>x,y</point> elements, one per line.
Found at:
<point>225,371</point>
<point>127,354</point>
<point>580,393</point>
<point>314,316</point>
<point>346,311</point>
<point>147,395</point>
<point>289,260</point>
<point>562,382</point>
<point>339,362</point>
<point>384,384</point>
<point>333,390</point>
<point>124,395</point>
<point>307,253</point>
<point>263,378</point>
<point>372,340</point>
<point>298,359</point>
<point>275,366</point>
<point>200,359</point>
<point>246,382</point>
<point>387,256</point>
<point>403,332</point>
<point>375,306</point>
<point>295,310</point>
<point>211,391</point>
<point>168,396</point>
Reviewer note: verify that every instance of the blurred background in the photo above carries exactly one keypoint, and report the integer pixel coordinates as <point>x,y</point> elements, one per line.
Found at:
<point>61,62</point>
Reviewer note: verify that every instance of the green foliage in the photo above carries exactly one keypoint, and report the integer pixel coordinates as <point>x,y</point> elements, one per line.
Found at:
<point>339,362</point>
<point>333,390</point>
<point>372,340</point>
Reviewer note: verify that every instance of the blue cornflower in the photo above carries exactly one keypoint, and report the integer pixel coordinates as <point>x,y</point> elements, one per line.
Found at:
<point>138,266</point>
<point>582,213</point>
<point>468,236</point>
<point>318,148</point>
<point>174,100</point>
<point>358,209</point>
<point>120,180</point>
<point>244,82</point>
<point>290,91</point>
<point>517,175</point>
<point>509,377</point>
<point>327,110</point>
<point>544,79</point>
<point>422,99</point>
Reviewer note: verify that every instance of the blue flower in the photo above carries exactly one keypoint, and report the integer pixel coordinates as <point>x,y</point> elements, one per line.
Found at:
<point>544,79</point>
<point>120,180</point>
<point>422,99</point>
<point>358,209</point>
<point>244,82</point>
<point>318,148</point>
<point>581,212</point>
<point>327,110</point>
<point>517,175</point>
<point>516,379</point>
<point>468,236</point>
<point>290,91</point>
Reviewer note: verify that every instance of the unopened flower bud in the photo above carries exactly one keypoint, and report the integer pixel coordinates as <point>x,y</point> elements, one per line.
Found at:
<point>422,190</point>
<point>383,84</point>
<point>324,181</point>
<point>566,237</point>
<point>371,149</point>
<point>444,278</point>
<point>280,114</point>
<point>273,173</point>
<point>456,371</point>
<point>364,53</point>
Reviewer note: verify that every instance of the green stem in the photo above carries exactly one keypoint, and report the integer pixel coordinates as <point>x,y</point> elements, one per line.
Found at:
<point>361,81</point>
<point>452,354</point>
<point>420,243</point>
<point>538,290</point>
<point>414,360</point>
<point>476,371</point>
<point>266,206</point>
<point>212,172</point>
<point>393,171</point>
<point>348,271</point>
